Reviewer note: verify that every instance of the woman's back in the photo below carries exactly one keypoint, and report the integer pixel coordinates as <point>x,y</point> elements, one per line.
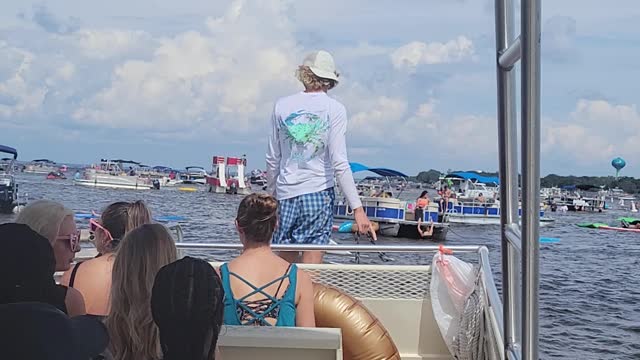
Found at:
<point>261,289</point>
<point>93,279</point>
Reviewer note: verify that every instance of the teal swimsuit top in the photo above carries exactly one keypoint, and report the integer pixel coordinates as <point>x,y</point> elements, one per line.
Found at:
<point>253,312</point>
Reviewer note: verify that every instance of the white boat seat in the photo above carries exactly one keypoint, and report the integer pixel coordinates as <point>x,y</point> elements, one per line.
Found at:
<point>277,343</point>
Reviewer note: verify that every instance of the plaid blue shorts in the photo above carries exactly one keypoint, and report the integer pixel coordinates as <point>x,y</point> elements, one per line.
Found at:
<point>305,219</point>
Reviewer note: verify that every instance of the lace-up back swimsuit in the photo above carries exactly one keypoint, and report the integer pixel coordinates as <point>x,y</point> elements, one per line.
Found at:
<point>255,312</point>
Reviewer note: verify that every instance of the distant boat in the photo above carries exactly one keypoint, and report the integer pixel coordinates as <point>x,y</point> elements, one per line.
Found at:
<point>56,175</point>
<point>41,166</point>
<point>112,174</point>
<point>194,175</point>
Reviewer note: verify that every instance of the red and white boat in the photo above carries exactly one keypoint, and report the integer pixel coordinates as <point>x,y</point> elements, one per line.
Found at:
<point>227,176</point>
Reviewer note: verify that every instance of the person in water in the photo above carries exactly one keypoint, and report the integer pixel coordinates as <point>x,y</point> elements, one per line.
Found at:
<point>189,325</point>
<point>306,151</point>
<point>260,287</point>
<point>93,277</point>
<point>143,251</point>
<point>426,233</point>
<point>28,262</point>
<point>421,204</point>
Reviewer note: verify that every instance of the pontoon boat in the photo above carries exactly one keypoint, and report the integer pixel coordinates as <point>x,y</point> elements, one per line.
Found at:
<point>41,166</point>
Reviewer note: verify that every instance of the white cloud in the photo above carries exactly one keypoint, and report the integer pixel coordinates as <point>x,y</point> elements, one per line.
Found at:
<point>221,79</point>
<point>594,132</point>
<point>417,53</point>
<point>389,121</point>
<point>17,95</point>
<point>106,43</point>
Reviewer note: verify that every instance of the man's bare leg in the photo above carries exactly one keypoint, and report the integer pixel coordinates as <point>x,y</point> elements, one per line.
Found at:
<point>312,257</point>
<point>290,256</point>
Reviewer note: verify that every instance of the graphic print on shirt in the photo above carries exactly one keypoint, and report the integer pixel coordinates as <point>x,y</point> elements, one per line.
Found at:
<point>306,133</point>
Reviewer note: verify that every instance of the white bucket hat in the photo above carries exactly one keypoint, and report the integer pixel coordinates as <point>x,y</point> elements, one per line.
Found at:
<point>321,64</point>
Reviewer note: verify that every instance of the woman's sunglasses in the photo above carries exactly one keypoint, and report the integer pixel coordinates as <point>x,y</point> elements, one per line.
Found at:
<point>94,225</point>
<point>74,240</point>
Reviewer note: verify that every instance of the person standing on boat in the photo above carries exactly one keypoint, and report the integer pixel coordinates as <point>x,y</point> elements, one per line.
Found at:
<point>421,204</point>
<point>307,150</point>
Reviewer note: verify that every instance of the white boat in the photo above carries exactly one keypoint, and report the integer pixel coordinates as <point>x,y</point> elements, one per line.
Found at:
<point>41,166</point>
<point>395,217</point>
<point>112,174</point>
<point>469,185</point>
<point>194,175</point>
<point>476,213</point>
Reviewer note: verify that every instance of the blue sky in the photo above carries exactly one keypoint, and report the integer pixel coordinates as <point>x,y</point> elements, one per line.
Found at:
<point>174,83</point>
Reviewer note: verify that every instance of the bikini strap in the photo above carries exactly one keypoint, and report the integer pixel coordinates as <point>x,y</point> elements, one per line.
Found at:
<point>72,280</point>
<point>286,275</point>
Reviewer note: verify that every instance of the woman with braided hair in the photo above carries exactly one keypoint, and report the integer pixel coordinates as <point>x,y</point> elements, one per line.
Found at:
<point>261,288</point>
<point>186,304</point>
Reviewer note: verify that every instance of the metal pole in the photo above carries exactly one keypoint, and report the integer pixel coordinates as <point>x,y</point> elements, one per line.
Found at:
<point>530,35</point>
<point>511,55</point>
<point>507,140</point>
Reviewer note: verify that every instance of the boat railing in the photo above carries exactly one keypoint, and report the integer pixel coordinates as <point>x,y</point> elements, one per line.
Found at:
<point>493,308</point>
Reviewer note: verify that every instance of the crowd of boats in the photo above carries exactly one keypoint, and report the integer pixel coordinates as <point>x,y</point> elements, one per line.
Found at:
<point>471,197</point>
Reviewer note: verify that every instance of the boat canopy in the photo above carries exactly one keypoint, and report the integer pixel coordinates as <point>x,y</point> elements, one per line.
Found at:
<point>120,161</point>
<point>9,150</point>
<point>43,161</point>
<point>357,167</point>
<point>474,177</point>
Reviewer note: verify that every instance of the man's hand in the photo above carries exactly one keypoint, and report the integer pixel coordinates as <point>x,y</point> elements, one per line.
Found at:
<point>364,226</point>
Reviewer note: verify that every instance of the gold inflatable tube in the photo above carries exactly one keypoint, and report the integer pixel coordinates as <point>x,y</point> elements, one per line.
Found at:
<point>363,335</point>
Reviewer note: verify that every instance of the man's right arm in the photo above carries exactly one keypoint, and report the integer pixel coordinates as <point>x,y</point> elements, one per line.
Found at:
<point>273,155</point>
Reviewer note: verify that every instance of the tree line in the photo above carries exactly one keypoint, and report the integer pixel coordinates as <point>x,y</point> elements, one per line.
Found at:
<point>628,184</point>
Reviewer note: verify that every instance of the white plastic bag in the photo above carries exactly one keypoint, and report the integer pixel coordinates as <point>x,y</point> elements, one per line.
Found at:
<point>452,281</point>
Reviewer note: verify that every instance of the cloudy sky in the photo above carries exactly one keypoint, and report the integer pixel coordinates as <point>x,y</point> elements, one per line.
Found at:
<point>175,82</point>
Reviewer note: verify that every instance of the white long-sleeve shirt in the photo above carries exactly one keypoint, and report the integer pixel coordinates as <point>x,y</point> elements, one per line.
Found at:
<point>307,147</point>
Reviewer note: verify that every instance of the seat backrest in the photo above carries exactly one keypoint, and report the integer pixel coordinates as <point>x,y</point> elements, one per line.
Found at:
<point>277,343</point>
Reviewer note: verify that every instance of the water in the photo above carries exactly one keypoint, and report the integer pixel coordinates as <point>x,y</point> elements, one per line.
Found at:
<point>590,280</point>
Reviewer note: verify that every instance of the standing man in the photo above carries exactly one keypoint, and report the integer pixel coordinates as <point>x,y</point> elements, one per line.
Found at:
<point>307,150</point>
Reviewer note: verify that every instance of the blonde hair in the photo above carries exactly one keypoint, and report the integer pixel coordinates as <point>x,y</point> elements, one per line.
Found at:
<point>44,217</point>
<point>312,81</point>
<point>141,254</point>
<point>121,217</point>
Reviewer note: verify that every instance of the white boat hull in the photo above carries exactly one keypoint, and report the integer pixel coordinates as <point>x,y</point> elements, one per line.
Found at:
<point>472,219</point>
<point>113,185</point>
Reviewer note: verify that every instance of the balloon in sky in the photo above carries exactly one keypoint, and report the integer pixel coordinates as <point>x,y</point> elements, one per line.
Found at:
<point>618,163</point>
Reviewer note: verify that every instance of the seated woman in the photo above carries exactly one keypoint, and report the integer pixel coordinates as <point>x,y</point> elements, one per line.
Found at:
<point>426,233</point>
<point>189,325</point>
<point>141,254</point>
<point>260,287</point>
<point>28,262</point>
<point>93,277</point>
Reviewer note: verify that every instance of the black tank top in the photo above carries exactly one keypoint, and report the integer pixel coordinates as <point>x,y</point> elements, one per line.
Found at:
<point>58,297</point>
